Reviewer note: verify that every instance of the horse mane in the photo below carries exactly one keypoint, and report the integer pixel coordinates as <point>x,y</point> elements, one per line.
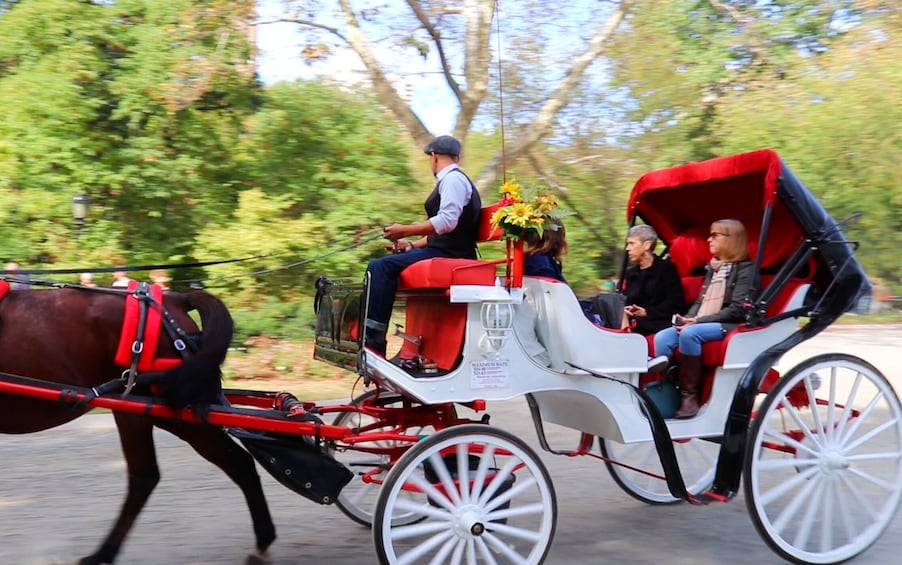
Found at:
<point>198,380</point>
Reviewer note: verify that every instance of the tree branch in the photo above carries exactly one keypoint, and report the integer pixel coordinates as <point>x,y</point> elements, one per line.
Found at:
<point>308,23</point>
<point>436,36</point>
<point>381,84</point>
<point>541,126</point>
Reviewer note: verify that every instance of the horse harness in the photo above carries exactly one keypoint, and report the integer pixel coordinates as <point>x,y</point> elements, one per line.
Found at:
<point>181,340</point>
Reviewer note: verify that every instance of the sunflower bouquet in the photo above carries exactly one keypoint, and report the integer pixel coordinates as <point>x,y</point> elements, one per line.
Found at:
<point>525,211</point>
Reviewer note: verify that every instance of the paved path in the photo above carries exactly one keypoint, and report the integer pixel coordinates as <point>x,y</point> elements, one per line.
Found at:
<point>59,491</point>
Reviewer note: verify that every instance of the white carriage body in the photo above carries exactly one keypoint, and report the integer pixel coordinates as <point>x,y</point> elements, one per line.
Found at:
<point>566,395</point>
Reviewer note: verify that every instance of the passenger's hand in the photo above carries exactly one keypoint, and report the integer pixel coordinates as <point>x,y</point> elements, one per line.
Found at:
<point>683,321</point>
<point>636,311</point>
<point>395,232</point>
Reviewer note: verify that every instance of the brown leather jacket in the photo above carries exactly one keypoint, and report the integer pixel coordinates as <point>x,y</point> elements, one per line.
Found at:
<point>736,296</point>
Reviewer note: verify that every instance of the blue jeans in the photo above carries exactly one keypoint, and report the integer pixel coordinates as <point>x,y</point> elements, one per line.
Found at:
<point>690,338</point>
<point>384,273</point>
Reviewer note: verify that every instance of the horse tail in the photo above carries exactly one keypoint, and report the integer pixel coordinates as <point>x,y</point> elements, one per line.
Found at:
<point>198,380</point>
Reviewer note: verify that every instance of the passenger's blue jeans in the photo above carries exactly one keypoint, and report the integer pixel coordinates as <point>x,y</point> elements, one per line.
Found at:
<point>689,339</point>
<point>384,273</point>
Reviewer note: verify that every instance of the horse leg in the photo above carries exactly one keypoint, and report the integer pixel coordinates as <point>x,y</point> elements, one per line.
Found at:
<point>136,438</point>
<point>215,445</point>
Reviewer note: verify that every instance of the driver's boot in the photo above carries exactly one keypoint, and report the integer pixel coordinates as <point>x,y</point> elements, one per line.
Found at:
<point>690,380</point>
<point>374,337</point>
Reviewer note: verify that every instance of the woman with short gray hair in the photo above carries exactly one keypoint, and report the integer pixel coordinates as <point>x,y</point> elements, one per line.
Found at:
<point>652,287</point>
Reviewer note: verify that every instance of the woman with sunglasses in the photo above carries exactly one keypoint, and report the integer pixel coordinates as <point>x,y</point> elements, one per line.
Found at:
<point>719,308</point>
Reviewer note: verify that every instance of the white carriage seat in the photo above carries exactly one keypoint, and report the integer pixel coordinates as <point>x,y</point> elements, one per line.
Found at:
<point>743,345</point>
<point>568,336</point>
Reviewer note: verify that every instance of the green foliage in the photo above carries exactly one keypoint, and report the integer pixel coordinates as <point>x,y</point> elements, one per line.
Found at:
<point>138,105</point>
<point>324,169</point>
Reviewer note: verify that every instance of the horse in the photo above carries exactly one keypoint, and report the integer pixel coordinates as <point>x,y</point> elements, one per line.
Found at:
<point>70,336</point>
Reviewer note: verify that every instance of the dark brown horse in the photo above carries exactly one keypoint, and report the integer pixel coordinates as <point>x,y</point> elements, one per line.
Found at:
<point>70,336</point>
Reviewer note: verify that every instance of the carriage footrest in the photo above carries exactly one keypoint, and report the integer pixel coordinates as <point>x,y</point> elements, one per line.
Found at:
<point>296,463</point>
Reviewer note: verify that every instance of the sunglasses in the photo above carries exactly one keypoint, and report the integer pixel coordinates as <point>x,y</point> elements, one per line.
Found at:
<point>716,234</point>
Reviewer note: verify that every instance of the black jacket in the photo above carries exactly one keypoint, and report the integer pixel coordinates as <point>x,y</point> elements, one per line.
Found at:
<point>658,289</point>
<point>736,296</point>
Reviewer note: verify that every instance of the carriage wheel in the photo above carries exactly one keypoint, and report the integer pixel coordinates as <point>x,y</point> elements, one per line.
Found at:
<point>823,469</point>
<point>696,457</point>
<point>504,512</point>
<point>357,499</point>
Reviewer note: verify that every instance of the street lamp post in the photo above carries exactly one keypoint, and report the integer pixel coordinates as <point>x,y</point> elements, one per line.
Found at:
<point>80,209</point>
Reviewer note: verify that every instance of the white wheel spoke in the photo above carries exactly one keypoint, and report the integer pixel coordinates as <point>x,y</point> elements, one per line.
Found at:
<point>791,509</point>
<point>875,456</point>
<point>497,481</point>
<point>831,409</point>
<point>414,555</point>
<point>523,510</point>
<point>501,547</point>
<point>861,418</point>
<point>463,472</point>
<point>870,435</point>
<point>780,490</point>
<point>827,499</point>
<point>785,463</point>
<point>797,418</point>
<point>433,493</point>
<point>471,552</point>
<point>702,460</point>
<point>422,509</point>
<point>519,533</point>
<point>518,489</point>
<point>858,497</point>
<point>441,556</point>
<point>815,414</point>
<point>811,512</point>
<point>782,437</point>
<point>845,504</point>
<point>482,471</point>
<point>459,550</point>
<point>419,529</point>
<point>444,476</point>
<point>885,485</point>
<point>361,493</point>
<point>484,550</point>
<point>846,416</point>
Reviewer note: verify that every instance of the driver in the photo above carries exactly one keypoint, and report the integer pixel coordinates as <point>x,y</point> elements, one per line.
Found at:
<point>452,211</point>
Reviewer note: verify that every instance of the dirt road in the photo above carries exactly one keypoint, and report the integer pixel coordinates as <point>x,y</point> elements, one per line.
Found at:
<point>59,491</point>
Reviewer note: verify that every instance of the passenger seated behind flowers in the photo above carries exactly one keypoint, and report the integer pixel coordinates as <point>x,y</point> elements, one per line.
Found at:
<point>541,258</point>
<point>543,255</point>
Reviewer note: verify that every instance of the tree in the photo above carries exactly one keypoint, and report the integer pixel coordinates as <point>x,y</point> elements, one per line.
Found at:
<point>136,104</point>
<point>560,42</point>
<point>325,169</point>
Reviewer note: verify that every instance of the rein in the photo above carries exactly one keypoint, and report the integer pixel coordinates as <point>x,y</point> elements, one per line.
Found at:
<point>14,276</point>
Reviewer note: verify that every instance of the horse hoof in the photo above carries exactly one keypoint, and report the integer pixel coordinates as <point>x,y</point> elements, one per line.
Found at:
<point>257,557</point>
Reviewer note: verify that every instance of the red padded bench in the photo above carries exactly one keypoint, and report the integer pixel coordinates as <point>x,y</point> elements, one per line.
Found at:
<point>429,315</point>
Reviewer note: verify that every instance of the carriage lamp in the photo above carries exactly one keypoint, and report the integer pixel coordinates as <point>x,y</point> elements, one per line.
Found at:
<point>80,209</point>
<point>497,322</point>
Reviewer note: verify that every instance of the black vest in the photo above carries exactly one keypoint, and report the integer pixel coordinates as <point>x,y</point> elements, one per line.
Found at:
<point>461,241</point>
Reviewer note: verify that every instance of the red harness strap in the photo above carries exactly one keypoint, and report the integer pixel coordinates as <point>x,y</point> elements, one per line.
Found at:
<point>4,288</point>
<point>151,337</point>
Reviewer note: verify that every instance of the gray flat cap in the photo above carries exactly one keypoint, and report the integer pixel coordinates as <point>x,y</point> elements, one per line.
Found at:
<point>443,145</point>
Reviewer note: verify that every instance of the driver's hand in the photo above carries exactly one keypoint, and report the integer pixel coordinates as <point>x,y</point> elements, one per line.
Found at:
<point>394,232</point>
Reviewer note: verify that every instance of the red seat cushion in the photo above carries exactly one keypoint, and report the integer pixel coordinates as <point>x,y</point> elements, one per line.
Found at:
<point>442,272</point>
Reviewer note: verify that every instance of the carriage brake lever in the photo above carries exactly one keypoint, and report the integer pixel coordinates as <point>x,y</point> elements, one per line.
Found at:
<point>406,336</point>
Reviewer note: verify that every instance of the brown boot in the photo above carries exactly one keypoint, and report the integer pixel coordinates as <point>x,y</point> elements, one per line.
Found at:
<point>690,380</point>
